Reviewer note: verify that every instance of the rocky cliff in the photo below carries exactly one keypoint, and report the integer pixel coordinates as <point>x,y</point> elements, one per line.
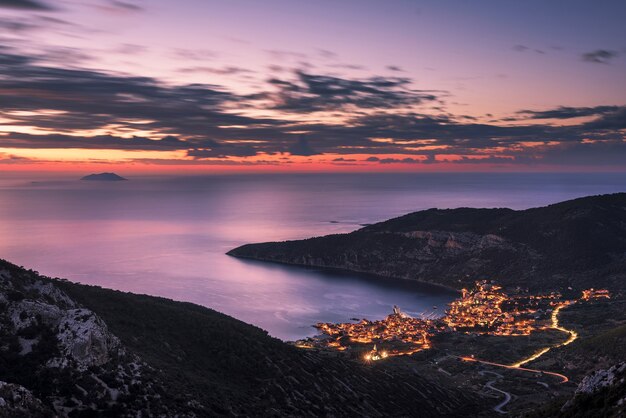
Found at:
<point>17,401</point>
<point>579,243</point>
<point>601,394</point>
<point>60,358</point>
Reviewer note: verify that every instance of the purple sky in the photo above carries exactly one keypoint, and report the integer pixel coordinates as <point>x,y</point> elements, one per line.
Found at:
<point>326,84</point>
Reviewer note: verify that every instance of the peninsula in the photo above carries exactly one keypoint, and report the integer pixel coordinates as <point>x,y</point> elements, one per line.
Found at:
<point>567,246</point>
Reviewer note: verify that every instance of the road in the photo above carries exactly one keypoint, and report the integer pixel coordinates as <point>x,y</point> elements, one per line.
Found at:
<point>489,384</point>
<point>563,378</point>
<point>555,325</point>
<point>518,366</point>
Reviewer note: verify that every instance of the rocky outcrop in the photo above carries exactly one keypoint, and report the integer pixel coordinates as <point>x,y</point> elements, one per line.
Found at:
<point>55,350</point>
<point>601,394</point>
<point>602,379</point>
<point>17,402</point>
<point>83,339</point>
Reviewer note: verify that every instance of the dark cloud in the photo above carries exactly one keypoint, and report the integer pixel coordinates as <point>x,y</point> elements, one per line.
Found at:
<point>29,22</point>
<point>87,99</point>
<point>199,119</point>
<point>565,112</point>
<point>17,25</point>
<point>394,68</point>
<point>599,56</point>
<point>524,48</point>
<point>301,147</point>
<point>600,153</point>
<point>22,140</point>
<point>222,152</point>
<point>520,48</point>
<point>228,70</point>
<point>407,160</point>
<point>64,55</point>
<point>25,4</point>
<point>491,159</point>
<point>125,6</point>
<point>313,92</point>
<point>348,66</point>
<point>613,121</point>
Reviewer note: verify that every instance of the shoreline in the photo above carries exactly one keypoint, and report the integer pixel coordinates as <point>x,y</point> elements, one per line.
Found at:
<point>435,286</point>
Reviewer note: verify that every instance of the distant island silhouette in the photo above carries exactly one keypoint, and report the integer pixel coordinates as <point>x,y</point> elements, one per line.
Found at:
<point>103,177</point>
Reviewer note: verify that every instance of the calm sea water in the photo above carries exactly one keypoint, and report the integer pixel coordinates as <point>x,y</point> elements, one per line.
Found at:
<point>168,236</point>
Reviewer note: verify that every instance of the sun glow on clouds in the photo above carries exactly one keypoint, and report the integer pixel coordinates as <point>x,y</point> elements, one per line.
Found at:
<point>92,156</point>
<point>114,88</point>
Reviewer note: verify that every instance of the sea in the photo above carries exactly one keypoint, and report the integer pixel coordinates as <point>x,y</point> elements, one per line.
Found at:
<point>168,235</point>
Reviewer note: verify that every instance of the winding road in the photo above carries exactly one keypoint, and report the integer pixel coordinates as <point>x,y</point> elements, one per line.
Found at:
<point>563,378</point>
<point>555,325</point>
<point>489,384</point>
<point>518,365</point>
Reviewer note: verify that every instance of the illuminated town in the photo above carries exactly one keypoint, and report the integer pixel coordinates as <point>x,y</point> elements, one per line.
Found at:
<point>398,333</point>
<point>487,310</point>
<point>483,310</point>
<point>595,294</point>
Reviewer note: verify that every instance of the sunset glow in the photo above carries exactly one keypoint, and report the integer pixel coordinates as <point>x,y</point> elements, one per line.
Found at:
<point>85,85</point>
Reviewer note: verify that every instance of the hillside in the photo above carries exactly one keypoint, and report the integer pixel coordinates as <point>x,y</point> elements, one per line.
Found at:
<point>578,243</point>
<point>76,350</point>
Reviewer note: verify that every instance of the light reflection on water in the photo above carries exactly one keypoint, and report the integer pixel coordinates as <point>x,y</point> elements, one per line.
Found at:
<point>168,236</point>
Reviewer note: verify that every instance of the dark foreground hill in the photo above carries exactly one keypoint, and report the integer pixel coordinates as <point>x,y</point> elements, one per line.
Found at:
<point>578,243</point>
<point>74,350</point>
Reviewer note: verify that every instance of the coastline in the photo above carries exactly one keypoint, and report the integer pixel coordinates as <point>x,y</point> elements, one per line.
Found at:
<point>435,286</point>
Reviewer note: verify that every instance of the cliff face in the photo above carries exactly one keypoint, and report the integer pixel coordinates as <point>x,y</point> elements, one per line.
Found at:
<point>83,339</point>
<point>576,243</point>
<point>17,401</point>
<point>68,349</point>
<point>59,356</point>
<point>601,379</point>
<point>601,394</point>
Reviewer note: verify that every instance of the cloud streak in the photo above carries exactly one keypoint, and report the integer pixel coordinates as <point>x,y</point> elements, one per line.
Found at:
<point>314,92</point>
<point>565,112</point>
<point>25,5</point>
<point>47,107</point>
<point>599,56</point>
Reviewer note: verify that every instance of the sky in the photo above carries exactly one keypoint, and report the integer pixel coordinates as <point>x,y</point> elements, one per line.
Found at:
<point>365,86</point>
